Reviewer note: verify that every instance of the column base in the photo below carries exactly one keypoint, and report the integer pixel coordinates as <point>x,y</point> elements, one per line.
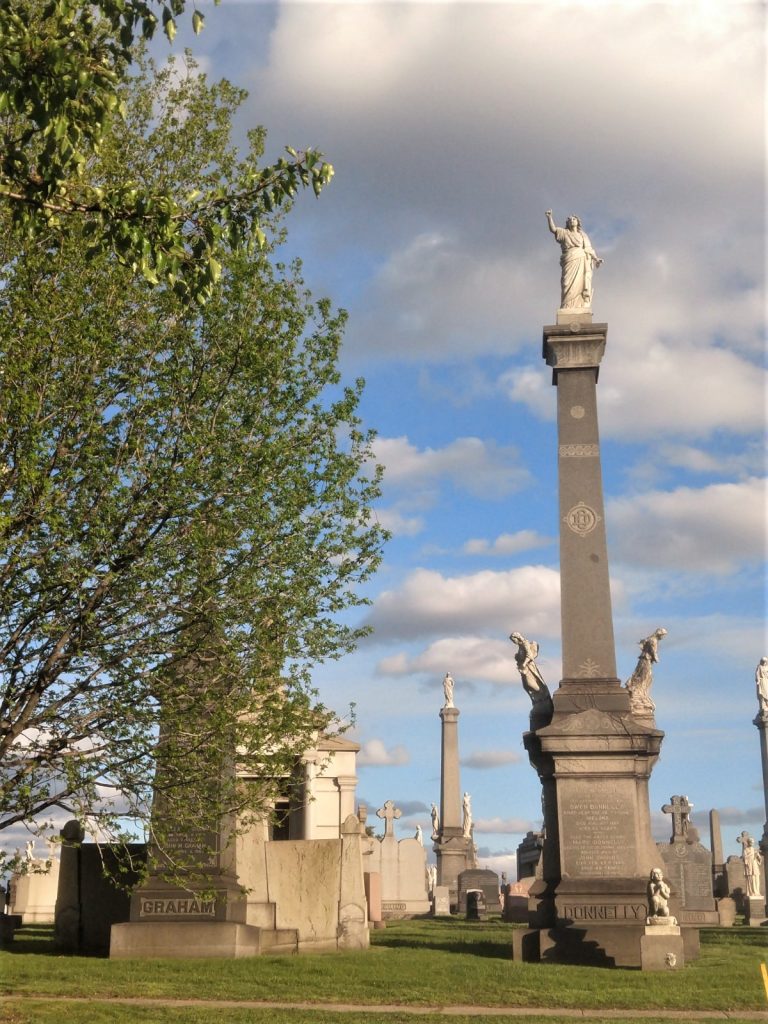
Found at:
<point>192,940</point>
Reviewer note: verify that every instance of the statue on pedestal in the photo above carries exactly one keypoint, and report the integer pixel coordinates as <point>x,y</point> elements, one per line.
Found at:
<point>761,685</point>
<point>658,899</point>
<point>435,815</point>
<point>577,262</point>
<point>533,681</point>
<point>448,685</point>
<point>753,861</point>
<point>639,683</point>
<point>466,806</point>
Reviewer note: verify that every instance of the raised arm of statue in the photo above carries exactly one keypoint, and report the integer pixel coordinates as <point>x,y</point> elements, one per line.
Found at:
<point>550,221</point>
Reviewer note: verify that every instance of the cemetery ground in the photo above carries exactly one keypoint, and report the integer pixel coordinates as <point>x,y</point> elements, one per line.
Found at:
<point>444,970</point>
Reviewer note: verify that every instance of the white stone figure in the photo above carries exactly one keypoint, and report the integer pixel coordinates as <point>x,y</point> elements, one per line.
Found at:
<point>533,681</point>
<point>761,684</point>
<point>753,861</point>
<point>435,815</point>
<point>577,263</point>
<point>419,837</point>
<point>639,683</point>
<point>29,851</point>
<point>431,877</point>
<point>466,806</point>
<point>448,685</point>
<point>658,896</point>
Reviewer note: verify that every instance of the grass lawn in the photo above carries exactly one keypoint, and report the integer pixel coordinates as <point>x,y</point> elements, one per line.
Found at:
<point>427,963</point>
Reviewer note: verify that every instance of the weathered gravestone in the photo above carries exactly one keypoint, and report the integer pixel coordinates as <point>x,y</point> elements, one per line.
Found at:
<point>516,900</point>
<point>401,866</point>
<point>441,901</point>
<point>688,868</point>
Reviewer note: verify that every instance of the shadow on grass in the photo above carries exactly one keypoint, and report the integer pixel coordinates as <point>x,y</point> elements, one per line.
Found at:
<point>494,950</point>
<point>36,939</point>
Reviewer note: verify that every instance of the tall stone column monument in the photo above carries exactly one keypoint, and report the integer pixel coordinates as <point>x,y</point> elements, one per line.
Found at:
<point>592,752</point>
<point>452,843</point>
<point>761,721</point>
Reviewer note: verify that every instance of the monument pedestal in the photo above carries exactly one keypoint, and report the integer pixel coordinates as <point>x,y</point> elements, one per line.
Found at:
<point>754,911</point>
<point>661,946</point>
<point>594,765</point>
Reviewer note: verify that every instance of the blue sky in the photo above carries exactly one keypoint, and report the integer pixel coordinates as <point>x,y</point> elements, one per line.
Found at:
<point>452,128</point>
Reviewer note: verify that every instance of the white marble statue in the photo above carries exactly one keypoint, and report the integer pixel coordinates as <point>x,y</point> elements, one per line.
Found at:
<point>577,263</point>
<point>29,851</point>
<point>419,835</point>
<point>533,681</point>
<point>448,685</point>
<point>753,861</point>
<point>466,806</point>
<point>639,683</point>
<point>435,815</point>
<point>431,877</point>
<point>761,684</point>
<point>658,895</point>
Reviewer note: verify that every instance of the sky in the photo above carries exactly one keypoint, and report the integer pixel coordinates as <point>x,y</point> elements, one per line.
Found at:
<point>452,128</point>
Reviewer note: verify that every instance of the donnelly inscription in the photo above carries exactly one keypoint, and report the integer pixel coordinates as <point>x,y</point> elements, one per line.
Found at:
<point>594,826</point>
<point>604,911</point>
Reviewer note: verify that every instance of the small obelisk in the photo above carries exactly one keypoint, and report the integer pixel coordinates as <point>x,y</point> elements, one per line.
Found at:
<point>452,847</point>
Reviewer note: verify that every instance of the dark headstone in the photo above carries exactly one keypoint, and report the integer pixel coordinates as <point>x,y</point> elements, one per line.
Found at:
<point>94,892</point>
<point>528,854</point>
<point>478,878</point>
<point>477,908</point>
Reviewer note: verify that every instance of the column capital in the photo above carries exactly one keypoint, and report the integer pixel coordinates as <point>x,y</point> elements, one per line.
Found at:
<point>574,346</point>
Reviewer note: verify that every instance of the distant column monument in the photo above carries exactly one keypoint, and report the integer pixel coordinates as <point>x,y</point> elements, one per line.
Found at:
<point>594,757</point>
<point>452,844</point>
<point>761,721</point>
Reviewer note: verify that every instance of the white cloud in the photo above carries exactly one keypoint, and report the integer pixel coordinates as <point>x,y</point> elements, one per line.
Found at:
<point>525,599</point>
<point>374,753</point>
<point>473,658</point>
<point>507,543</point>
<point>504,826</point>
<point>400,523</point>
<point>482,468</point>
<point>498,862</point>
<point>708,529</point>
<point>468,265</point>
<point>485,759</point>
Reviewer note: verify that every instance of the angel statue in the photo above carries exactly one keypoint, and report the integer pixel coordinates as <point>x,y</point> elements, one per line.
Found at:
<point>533,681</point>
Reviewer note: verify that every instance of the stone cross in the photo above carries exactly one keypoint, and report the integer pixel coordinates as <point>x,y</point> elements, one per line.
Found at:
<point>679,808</point>
<point>388,812</point>
<point>743,839</point>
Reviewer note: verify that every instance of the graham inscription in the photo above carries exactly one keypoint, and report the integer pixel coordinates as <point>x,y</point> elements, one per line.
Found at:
<point>175,907</point>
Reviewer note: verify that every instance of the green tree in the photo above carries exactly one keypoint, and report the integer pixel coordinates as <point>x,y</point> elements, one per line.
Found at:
<point>185,504</point>
<point>62,67</point>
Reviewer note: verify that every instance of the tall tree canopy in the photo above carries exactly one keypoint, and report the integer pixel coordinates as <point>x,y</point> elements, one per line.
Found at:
<point>185,499</point>
<point>62,66</point>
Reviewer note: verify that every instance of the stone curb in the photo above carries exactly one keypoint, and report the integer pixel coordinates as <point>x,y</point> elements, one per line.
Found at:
<point>420,1011</point>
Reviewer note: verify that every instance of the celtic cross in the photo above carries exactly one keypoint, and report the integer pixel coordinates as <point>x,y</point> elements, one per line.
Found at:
<point>388,812</point>
<point>679,808</point>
